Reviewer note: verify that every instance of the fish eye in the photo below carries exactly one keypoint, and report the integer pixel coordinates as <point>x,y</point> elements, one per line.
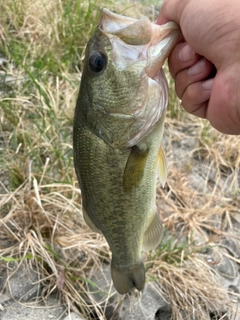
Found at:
<point>97,61</point>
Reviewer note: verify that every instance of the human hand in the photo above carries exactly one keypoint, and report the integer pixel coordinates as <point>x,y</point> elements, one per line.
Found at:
<point>211,30</point>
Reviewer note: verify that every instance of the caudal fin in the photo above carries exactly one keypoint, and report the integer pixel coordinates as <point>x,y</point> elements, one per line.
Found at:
<point>127,278</point>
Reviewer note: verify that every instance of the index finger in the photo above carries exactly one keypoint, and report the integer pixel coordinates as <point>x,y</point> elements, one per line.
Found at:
<point>171,10</point>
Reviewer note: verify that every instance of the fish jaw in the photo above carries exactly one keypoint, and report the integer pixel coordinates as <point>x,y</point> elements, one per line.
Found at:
<point>138,40</point>
<point>164,38</point>
<point>110,21</point>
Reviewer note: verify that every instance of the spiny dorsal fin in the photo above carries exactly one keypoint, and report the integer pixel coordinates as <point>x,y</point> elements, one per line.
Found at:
<point>162,166</point>
<point>134,169</point>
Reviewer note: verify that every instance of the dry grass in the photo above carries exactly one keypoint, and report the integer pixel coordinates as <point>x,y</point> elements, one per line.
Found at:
<point>40,203</point>
<point>188,287</point>
<point>45,227</point>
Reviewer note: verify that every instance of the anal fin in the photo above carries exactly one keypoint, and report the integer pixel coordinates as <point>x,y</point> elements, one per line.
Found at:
<point>89,222</point>
<point>153,234</point>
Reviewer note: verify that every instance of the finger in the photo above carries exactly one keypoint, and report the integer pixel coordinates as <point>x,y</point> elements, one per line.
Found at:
<point>197,72</point>
<point>171,10</point>
<point>195,98</point>
<point>181,57</point>
<point>224,106</point>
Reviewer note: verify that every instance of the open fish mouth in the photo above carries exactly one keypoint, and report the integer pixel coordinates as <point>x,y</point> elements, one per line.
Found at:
<point>138,41</point>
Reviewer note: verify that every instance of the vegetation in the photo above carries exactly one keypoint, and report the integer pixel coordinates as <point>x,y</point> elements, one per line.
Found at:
<point>41,55</point>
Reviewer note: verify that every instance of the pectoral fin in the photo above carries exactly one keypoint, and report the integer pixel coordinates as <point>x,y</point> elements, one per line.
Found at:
<point>162,166</point>
<point>134,169</point>
<point>153,234</point>
<point>89,222</point>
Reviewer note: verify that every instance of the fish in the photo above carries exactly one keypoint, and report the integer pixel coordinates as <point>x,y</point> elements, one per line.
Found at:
<point>117,138</point>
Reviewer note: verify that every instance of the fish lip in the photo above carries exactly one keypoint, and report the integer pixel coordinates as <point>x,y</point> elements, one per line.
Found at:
<point>107,16</point>
<point>161,46</point>
<point>147,41</point>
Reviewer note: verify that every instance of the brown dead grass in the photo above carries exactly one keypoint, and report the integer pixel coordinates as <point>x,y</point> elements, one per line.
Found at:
<point>45,227</point>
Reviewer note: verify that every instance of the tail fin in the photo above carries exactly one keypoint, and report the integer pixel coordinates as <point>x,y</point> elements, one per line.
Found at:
<point>127,278</point>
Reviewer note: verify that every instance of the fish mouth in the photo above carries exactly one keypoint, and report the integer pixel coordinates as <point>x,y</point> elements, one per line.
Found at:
<point>138,41</point>
<point>164,38</point>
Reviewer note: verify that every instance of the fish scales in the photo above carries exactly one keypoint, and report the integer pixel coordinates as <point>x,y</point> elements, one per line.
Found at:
<point>102,178</point>
<point>118,126</point>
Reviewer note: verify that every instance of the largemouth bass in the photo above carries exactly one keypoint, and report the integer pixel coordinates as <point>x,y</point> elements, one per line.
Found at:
<point>118,126</point>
